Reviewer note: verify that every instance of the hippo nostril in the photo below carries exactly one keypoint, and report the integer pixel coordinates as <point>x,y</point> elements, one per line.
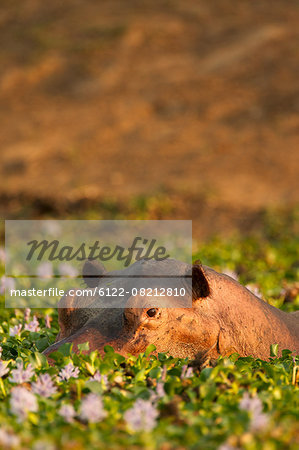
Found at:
<point>152,312</point>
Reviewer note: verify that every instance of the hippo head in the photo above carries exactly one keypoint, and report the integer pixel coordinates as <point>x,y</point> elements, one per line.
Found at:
<point>224,318</point>
<point>171,327</point>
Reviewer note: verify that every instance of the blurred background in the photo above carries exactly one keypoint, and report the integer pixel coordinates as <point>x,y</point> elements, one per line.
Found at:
<point>154,110</point>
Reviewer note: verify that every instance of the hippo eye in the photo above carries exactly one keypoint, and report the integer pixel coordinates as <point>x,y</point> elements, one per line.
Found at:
<point>152,312</point>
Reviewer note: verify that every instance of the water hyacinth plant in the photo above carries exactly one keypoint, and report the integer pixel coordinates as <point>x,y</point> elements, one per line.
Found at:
<point>8,439</point>
<point>3,368</point>
<point>67,372</point>
<point>20,374</point>
<point>142,416</point>
<point>44,386</point>
<point>33,325</point>
<point>92,410</point>
<point>258,420</point>
<point>22,402</point>
<point>67,412</point>
<point>87,401</point>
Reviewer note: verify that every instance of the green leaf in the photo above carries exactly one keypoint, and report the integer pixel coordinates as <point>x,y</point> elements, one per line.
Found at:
<point>57,356</point>
<point>38,360</point>
<point>2,388</point>
<point>66,349</point>
<point>80,384</point>
<point>83,347</point>
<point>108,349</point>
<point>151,348</point>
<point>140,376</point>
<point>33,418</point>
<point>42,344</point>
<point>154,372</point>
<point>208,391</point>
<point>205,373</point>
<point>118,358</point>
<point>286,353</point>
<point>274,350</point>
<point>94,386</point>
<point>93,356</point>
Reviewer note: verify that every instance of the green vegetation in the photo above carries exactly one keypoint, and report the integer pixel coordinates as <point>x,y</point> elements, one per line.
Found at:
<point>156,402</point>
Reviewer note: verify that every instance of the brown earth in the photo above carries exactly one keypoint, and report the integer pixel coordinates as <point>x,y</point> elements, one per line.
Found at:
<point>111,101</point>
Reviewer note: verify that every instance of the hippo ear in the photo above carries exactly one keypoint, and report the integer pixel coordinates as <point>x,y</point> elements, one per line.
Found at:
<point>92,271</point>
<point>200,285</point>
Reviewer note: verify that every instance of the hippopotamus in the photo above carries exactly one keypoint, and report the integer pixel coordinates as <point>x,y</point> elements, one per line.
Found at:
<point>224,318</point>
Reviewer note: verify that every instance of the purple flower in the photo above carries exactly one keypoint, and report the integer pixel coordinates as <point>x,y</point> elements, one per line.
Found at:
<point>142,416</point>
<point>68,371</point>
<point>6,284</point>
<point>160,389</point>
<point>8,440</point>
<point>32,326</point>
<point>67,412</point>
<point>67,270</point>
<point>187,372</point>
<point>22,402</point>
<point>160,392</point>
<point>44,386</point>
<point>16,330</point>
<point>47,321</point>
<point>3,368</point>
<point>21,375</point>
<point>92,409</point>
<point>254,406</point>
<point>250,404</point>
<point>164,372</point>
<point>259,422</point>
<point>27,314</point>
<point>45,270</point>
<point>100,378</point>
